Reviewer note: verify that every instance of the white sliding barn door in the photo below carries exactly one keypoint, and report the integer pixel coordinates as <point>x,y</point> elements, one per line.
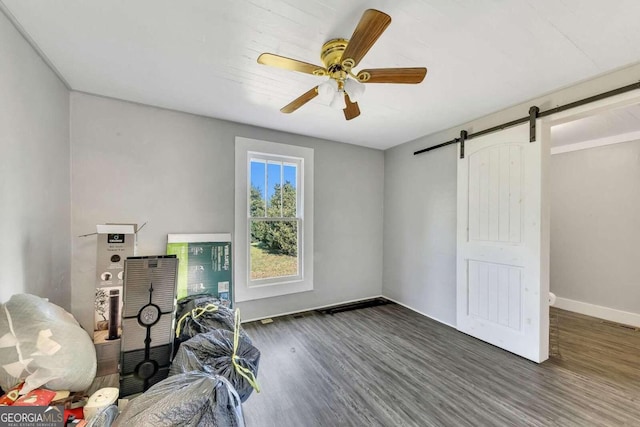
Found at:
<point>503,245</point>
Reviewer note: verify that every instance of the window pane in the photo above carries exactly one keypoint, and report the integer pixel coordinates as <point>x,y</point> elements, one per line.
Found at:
<point>274,249</point>
<point>258,187</point>
<point>274,183</point>
<point>289,196</point>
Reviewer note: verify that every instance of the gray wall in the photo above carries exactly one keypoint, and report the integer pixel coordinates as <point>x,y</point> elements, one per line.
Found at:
<point>595,206</point>
<point>34,174</point>
<point>134,163</point>
<point>420,205</point>
<point>420,230</point>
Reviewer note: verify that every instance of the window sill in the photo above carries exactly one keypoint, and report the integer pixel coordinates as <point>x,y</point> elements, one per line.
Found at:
<point>248,292</point>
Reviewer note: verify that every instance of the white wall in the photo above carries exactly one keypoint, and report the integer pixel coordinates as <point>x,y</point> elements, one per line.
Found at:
<point>134,163</point>
<point>595,235</point>
<point>420,204</point>
<point>34,174</point>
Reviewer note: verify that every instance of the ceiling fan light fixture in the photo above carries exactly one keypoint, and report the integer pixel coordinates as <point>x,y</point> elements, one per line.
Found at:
<point>340,56</point>
<point>354,88</point>
<point>327,90</point>
<point>338,101</point>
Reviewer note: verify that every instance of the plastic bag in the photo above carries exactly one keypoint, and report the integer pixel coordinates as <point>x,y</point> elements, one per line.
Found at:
<point>104,417</point>
<point>190,399</point>
<point>43,345</point>
<point>200,313</point>
<point>212,352</point>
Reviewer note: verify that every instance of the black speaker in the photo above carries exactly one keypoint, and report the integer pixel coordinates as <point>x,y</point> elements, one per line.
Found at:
<point>147,321</point>
<point>114,303</point>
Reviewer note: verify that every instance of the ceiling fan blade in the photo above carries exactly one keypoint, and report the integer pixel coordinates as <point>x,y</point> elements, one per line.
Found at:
<point>371,26</point>
<point>393,75</point>
<point>300,101</point>
<point>291,64</point>
<point>352,111</point>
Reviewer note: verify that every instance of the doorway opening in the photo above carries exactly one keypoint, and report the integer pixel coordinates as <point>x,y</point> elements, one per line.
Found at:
<point>594,185</point>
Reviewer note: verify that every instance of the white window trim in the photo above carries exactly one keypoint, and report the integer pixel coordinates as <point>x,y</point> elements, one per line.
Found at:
<point>244,289</point>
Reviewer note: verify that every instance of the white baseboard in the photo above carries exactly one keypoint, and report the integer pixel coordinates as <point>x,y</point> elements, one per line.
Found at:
<point>419,312</point>
<point>606,313</point>
<point>312,308</point>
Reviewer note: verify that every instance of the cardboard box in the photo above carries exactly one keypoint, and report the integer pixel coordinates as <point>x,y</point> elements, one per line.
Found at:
<point>205,264</point>
<point>116,242</point>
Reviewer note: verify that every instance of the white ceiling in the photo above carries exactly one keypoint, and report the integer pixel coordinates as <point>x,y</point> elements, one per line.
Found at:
<point>199,56</point>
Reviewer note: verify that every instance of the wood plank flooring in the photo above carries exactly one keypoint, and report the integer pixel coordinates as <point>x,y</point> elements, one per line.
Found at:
<point>598,348</point>
<point>389,366</point>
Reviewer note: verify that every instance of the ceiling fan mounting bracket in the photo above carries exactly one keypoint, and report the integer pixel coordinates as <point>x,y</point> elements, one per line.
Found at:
<point>348,63</point>
<point>363,76</point>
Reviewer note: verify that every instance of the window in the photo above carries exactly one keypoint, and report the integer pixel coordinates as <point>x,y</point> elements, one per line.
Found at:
<point>274,219</point>
<point>274,226</point>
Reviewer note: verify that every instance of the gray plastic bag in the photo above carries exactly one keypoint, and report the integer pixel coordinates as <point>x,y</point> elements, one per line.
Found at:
<point>104,417</point>
<point>200,313</point>
<point>212,352</point>
<point>190,399</point>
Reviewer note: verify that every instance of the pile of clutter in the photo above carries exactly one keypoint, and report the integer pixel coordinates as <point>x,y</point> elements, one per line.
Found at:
<point>46,358</point>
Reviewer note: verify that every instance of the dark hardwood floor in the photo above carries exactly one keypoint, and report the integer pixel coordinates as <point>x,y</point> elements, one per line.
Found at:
<point>389,366</point>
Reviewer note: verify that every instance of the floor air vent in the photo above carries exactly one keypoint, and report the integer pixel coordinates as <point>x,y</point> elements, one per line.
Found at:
<point>355,306</point>
<point>301,315</point>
